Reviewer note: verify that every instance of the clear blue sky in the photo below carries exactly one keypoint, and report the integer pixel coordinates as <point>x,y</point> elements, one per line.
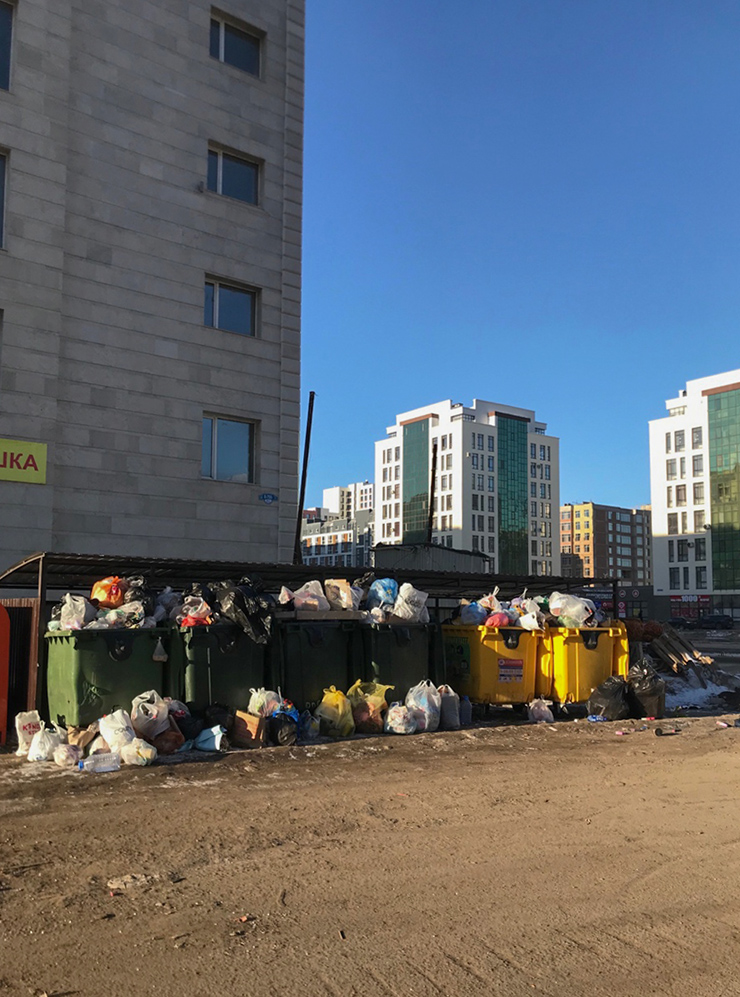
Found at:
<point>535,202</point>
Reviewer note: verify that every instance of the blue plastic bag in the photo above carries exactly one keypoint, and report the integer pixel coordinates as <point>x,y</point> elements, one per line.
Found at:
<point>210,739</point>
<point>383,594</point>
<point>473,615</point>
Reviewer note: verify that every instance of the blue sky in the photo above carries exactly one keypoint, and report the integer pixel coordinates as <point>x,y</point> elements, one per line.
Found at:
<point>535,202</point>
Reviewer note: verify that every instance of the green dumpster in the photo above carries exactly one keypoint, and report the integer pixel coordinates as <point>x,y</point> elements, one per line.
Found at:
<point>222,664</point>
<point>403,655</point>
<point>93,672</point>
<point>314,656</point>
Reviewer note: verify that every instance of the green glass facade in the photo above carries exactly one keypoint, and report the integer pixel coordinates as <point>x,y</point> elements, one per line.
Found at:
<point>512,495</point>
<point>416,480</point>
<point>724,476</point>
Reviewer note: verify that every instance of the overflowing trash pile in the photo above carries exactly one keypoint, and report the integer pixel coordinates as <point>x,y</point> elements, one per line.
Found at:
<point>378,600</point>
<point>558,610</point>
<point>163,726</point>
<point>130,603</point>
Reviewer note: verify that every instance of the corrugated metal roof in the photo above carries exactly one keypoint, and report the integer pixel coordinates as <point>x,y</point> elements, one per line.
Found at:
<point>77,572</point>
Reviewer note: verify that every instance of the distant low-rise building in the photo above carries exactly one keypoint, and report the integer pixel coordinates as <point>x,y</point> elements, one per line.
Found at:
<point>606,541</point>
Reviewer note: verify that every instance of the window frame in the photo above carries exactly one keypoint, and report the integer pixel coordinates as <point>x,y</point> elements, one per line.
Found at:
<point>232,285</point>
<point>252,470</point>
<point>225,20</point>
<point>220,151</point>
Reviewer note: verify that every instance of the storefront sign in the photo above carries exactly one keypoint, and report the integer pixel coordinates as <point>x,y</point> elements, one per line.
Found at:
<point>23,461</point>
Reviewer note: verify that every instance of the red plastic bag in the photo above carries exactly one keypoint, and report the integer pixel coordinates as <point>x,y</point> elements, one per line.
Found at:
<point>109,592</point>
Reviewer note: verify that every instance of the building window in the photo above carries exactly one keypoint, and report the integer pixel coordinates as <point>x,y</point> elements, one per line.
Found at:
<point>490,443</point>
<point>480,441</point>
<point>235,46</point>
<point>233,176</point>
<point>682,470</point>
<point>533,470</point>
<point>533,489</point>
<point>667,442</point>
<point>701,577</point>
<point>683,550</point>
<point>481,527</point>
<point>699,520</point>
<point>491,524</point>
<point>491,503</point>
<point>679,438</point>
<point>671,545</point>
<point>697,464</point>
<point>480,482</point>
<point>490,483</point>
<point>700,549</point>
<point>547,472</point>
<point>685,578</point>
<point>491,464</point>
<point>680,495</point>
<point>474,461</point>
<point>533,508</point>
<point>474,503</point>
<point>229,307</point>
<point>696,437</point>
<point>491,545</point>
<point>533,451</point>
<point>670,471</point>
<point>684,522</point>
<point>228,450</point>
<point>672,523</point>
<point>669,496</point>
<point>699,493</point>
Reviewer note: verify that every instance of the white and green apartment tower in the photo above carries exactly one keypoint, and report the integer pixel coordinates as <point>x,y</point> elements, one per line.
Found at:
<point>497,487</point>
<point>695,496</point>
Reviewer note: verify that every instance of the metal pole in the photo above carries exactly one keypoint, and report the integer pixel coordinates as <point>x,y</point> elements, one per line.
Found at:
<point>297,554</point>
<point>432,492</point>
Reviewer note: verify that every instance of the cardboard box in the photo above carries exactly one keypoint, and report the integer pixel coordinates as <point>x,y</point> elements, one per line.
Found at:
<point>248,731</point>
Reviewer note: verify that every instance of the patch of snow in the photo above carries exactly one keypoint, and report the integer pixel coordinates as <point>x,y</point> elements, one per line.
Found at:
<point>682,693</point>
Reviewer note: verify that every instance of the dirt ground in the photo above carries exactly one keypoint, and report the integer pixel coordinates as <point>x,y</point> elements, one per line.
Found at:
<point>499,860</point>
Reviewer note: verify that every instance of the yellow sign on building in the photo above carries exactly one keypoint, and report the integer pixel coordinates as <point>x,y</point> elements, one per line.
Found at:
<point>23,461</point>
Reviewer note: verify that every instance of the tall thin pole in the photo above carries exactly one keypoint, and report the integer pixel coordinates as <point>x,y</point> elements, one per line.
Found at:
<point>432,493</point>
<point>297,554</point>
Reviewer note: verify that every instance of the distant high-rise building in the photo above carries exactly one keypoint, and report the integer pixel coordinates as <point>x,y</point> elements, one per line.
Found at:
<point>496,488</point>
<point>344,501</point>
<point>606,541</point>
<point>339,541</point>
<point>695,496</point>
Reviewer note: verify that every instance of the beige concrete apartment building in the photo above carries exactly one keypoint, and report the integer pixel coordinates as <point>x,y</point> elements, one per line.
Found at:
<point>151,161</point>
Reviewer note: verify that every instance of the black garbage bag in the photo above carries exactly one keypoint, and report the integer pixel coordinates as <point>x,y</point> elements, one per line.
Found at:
<point>282,730</point>
<point>190,727</point>
<point>612,699</point>
<point>204,592</point>
<point>647,690</point>
<point>216,714</point>
<point>364,583</point>
<point>246,605</point>
<point>138,591</point>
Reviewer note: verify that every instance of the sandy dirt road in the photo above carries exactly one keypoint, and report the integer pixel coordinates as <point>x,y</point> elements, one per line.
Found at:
<point>509,860</point>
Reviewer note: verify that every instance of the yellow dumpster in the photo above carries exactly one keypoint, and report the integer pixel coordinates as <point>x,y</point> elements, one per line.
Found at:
<point>573,662</point>
<point>491,664</point>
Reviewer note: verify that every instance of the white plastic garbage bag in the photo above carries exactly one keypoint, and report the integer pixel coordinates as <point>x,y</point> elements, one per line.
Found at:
<point>43,745</point>
<point>400,720</point>
<point>410,603</point>
<point>26,725</point>
<point>67,756</point>
<point>539,712</point>
<point>570,610</point>
<point>425,698</point>
<point>150,715</point>
<point>77,612</point>
<point>263,702</point>
<point>138,752</point>
<point>311,596</point>
<point>117,729</point>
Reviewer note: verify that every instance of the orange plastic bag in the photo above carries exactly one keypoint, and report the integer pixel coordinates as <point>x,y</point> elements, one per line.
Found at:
<point>109,592</point>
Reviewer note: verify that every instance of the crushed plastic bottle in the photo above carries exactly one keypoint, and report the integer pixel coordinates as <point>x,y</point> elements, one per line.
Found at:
<point>109,761</point>
<point>466,712</point>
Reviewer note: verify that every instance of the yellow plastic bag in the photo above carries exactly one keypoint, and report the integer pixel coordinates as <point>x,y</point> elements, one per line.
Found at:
<point>368,706</point>
<point>109,592</point>
<point>335,713</point>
